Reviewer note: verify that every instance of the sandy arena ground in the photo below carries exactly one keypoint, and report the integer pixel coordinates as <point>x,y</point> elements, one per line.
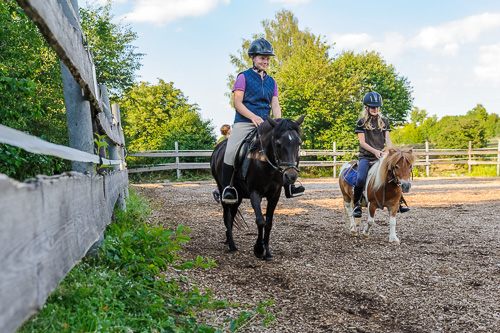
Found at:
<point>444,277</point>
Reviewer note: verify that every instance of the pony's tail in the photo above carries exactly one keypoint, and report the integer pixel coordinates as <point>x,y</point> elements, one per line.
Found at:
<point>239,219</point>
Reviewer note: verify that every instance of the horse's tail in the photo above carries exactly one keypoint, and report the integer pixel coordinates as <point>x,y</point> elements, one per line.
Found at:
<point>239,220</point>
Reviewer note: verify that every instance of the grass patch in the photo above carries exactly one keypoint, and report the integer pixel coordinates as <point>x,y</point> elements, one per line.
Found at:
<point>125,288</point>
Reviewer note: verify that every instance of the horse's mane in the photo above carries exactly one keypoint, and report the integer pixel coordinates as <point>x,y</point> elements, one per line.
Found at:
<point>377,176</point>
<point>283,125</point>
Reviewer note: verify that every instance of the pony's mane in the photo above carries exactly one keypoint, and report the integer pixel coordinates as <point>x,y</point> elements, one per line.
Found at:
<point>283,125</point>
<point>377,176</point>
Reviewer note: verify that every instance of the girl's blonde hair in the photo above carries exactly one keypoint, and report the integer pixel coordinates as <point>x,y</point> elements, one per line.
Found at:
<point>365,115</point>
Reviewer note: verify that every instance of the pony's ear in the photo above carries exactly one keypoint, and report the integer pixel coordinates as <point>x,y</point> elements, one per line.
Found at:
<point>271,121</point>
<point>410,151</point>
<point>300,120</point>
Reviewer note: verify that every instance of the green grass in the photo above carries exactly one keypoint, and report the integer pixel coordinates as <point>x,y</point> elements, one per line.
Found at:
<point>124,290</point>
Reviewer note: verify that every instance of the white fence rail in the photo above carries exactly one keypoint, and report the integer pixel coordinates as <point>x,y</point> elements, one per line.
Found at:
<point>425,157</point>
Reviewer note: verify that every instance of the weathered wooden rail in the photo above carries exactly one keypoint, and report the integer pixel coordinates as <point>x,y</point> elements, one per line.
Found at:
<point>425,157</point>
<point>48,224</point>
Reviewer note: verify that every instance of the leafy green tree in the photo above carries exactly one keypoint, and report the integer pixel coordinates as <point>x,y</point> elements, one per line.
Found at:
<point>115,59</point>
<point>456,132</point>
<point>31,93</point>
<point>328,90</point>
<point>417,116</point>
<point>31,98</point>
<point>156,116</point>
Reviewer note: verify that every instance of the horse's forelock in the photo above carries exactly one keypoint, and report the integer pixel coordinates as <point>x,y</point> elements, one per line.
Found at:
<point>286,124</point>
<point>392,157</point>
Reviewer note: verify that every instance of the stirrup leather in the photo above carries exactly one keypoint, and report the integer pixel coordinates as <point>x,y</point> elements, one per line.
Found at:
<point>229,201</point>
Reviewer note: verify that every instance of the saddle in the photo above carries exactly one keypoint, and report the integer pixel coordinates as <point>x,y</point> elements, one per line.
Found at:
<point>351,174</point>
<point>242,157</point>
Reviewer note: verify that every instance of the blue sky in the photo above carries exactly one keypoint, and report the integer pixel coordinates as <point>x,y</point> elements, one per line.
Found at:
<point>448,49</point>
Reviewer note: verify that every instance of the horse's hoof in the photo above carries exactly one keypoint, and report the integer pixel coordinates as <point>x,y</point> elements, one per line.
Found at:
<point>234,249</point>
<point>259,254</point>
<point>268,257</point>
<point>354,233</point>
<point>365,236</point>
<point>395,243</point>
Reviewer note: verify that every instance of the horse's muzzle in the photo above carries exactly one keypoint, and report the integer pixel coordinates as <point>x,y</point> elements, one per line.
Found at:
<point>405,186</point>
<point>289,176</point>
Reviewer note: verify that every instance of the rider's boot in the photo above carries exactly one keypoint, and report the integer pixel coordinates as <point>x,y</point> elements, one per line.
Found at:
<point>357,212</point>
<point>294,191</point>
<point>403,209</point>
<point>229,194</point>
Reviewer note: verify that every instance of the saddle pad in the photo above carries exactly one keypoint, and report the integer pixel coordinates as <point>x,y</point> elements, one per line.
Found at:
<point>351,177</point>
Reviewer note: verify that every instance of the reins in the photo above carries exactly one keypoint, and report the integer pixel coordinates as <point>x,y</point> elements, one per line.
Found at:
<point>280,164</point>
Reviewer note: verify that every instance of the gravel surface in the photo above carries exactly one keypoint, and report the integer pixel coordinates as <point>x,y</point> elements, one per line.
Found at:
<point>444,277</point>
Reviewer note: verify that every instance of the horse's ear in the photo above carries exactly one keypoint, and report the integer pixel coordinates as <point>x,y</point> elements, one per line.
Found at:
<point>271,121</point>
<point>300,120</point>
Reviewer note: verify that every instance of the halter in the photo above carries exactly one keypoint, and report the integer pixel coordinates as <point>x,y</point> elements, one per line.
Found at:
<point>280,164</point>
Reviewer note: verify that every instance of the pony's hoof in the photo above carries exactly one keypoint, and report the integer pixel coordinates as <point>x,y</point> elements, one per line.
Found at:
<point>395,243</point>
<point>354,233</point>
<point>268,257</point>
<point>233,249</point>
<point>259,254</point>
<point>365,236</point>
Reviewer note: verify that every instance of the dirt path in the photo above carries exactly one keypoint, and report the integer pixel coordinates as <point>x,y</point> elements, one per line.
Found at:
<point>444,277</point>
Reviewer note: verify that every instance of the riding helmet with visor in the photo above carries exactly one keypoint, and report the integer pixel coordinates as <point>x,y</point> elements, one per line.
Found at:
<point>372,98</point>
<point>260,47</point>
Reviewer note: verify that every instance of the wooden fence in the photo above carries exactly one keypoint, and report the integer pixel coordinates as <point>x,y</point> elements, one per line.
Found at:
<point>48,224</point>
<point>425,157</point>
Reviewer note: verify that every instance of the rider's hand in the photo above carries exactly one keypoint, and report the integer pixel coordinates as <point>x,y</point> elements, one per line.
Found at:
<point>378,154</point>
<point>257,121</point>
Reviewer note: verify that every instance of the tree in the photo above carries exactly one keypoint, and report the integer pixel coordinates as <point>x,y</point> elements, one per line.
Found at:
<point>115,59</point>
<point>329,90</point>
<point>31,94</point>
<point>156,116</point>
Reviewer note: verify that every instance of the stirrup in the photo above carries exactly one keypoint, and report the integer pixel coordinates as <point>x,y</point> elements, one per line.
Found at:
<point>228,200</point>
<point>288,191</point>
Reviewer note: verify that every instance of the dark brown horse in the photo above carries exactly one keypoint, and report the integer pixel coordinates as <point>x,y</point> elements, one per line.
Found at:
<point>387,179</point>
<point>273,163</point>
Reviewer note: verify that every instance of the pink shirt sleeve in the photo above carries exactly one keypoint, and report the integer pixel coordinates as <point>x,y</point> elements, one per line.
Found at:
<point>240,83</point>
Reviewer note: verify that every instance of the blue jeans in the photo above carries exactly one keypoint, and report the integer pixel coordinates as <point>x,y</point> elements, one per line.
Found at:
<point>363,167</point>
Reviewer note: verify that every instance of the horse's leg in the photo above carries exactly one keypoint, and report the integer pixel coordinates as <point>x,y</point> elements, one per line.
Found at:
<point>349,206</point>
<point>255,200</point>
<point>370,220</point>
<point>271,206</point>
<point>229,214</point>
<point>393,238</point>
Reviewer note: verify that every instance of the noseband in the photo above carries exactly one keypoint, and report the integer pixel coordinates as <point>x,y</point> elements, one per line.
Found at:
<point>281,166</point>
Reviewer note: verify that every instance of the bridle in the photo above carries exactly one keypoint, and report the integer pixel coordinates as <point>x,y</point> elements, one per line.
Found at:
<point>280,166</point>
<point>393,179</point>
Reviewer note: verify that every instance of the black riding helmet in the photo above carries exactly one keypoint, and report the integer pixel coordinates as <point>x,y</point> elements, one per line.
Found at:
<point>260,46</point>
<point>372,98</point>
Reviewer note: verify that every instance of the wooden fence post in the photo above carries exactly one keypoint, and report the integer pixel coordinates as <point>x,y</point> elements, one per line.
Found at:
<point>77,105</point>
<point>177,160</point>
<point>469,162</point>
<point>335,160</point>
<point>115,110</point>
<point>427,158</point>
<point>498,159</point>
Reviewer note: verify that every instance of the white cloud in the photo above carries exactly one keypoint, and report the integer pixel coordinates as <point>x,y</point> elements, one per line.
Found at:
<point>165,11</point>
<point>351,41</point>
<point>448,37</point>
<point>391,46</point>
<point>489,63</point>
<point>290,2</point>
